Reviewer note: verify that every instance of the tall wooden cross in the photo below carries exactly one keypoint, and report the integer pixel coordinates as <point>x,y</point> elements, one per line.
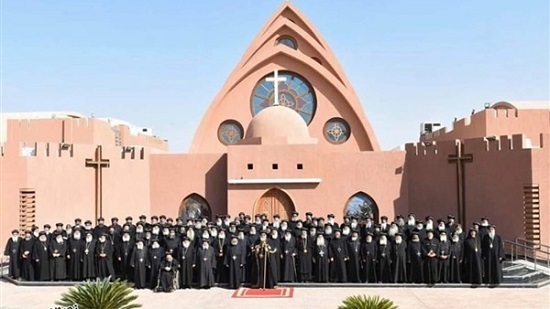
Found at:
<point>460,158</point>
<point>276,80</point>
<point>98,163</point>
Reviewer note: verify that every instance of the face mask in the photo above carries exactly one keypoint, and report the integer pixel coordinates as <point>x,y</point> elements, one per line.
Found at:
<point>76,236</point>
<point>155,245</point>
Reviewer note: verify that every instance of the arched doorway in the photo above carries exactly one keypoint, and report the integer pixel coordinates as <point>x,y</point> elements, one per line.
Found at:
<point>274,201</point>
<point>361,206</point>
<point>194,206</point>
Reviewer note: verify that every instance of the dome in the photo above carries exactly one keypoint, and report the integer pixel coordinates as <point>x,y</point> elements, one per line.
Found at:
<point>277,121</point>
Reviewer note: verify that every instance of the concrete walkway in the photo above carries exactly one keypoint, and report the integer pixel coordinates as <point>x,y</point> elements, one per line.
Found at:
<point>14,297</point>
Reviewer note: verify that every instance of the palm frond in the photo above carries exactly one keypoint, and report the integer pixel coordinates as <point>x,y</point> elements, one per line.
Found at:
<point>367,302</point>
<point>100,294</point>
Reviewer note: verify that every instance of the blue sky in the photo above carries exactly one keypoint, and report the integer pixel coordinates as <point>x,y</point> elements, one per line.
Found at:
<point>160,63</point>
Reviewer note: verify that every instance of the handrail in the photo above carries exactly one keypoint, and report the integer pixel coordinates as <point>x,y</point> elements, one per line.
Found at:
<point>514,253</point>
<point>530,242</point>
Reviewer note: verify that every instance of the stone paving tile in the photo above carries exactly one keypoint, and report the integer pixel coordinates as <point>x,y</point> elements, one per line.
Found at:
<point>14,297</point>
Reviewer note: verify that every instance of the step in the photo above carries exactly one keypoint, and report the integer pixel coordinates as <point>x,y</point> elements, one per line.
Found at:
<point>526,278</point>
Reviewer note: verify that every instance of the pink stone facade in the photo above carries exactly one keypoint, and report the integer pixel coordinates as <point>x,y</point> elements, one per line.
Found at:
<point>278,152</point>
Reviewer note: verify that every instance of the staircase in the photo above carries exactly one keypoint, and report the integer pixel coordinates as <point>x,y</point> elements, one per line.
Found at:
<point>528,263</point>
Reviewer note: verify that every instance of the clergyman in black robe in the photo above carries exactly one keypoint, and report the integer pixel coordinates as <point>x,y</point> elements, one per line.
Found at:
<point>12,251</point>
<point>443,249</point>
<point>168,270</point>
<point>186,258</point>
<point>89,261</point>
<point>123,254</point>
<point>264,271</point>
<point>288,258</point>
<point>206,263</point>
<point>74,256</point>
<point>104,253</point>
<point>139,261</point>
<point>384,259</point>
<point>430,253</point>
<point>472,259</point>
<point>41,257</point>
<point>27,265</point>
<point>155,255</point>
<point>235,258</point>
<point>492,252</point>
<point>321,259</point>
<point>220,247</point>
<point>304,249</point>
<point>415,259</point>
<point>354,258</point>
<point>455,260</point>
<point>338,256</point>
<point>58,251</point>
<point>399,259</point>
<point>368,256</point>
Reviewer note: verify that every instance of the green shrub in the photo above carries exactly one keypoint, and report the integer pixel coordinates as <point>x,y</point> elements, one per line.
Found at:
<point>367,302</point>
<point>100,294</point>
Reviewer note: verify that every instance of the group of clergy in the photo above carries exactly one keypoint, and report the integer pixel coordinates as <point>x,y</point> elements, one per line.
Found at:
<point>165,255</point>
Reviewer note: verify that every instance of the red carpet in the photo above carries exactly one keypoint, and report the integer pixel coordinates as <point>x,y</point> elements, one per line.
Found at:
<point>267,293</point>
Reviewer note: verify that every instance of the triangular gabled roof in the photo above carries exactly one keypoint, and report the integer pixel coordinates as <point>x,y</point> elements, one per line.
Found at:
<point>262,57</point>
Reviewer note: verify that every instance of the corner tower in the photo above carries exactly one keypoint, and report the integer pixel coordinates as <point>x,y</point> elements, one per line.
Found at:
<point>312,83</point>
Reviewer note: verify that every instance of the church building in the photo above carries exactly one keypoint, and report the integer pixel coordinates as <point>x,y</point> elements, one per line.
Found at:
<point>285,133</point>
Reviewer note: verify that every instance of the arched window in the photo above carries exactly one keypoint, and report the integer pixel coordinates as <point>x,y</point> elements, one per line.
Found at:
<point>194,207</point>
<point>288,41</point>
<point>362,206</point>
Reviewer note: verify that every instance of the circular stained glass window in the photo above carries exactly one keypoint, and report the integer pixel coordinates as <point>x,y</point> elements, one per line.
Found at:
<point>337,131</point>
<point>295,92</point>
<point>230,132</point>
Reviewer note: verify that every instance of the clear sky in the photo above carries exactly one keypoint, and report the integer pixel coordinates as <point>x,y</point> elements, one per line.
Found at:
<point>159,64</point>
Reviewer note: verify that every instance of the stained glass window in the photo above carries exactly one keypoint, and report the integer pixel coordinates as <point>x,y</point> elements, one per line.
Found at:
<point>337,131</point>
<point>295,93</point>
<point>361,206</point>
<point>230,132</point>
<point>194,207</point>
<point>288,41</point>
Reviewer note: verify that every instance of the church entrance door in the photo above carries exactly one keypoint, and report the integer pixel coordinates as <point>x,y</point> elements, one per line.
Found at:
<point>273,202</point>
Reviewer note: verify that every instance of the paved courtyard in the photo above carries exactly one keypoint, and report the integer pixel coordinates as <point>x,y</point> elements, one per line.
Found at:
<point>12,297</point>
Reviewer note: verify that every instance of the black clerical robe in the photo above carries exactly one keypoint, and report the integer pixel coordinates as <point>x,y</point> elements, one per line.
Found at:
<point>304,249</point>
<point>455,262</point>
<point>42,261</point>
<point>186,258</point>
<point>399,262</point>
<point>104,253</point>
<point>234,261</point>
<point>168,271</point>
<point>123,254</point>
<point>220,247</point>
<point>444,249</point>
<point>368,257</point>
<point>12,250</point>
<point>58,266</point>
<point>265,268</point>
<point>275,244</point>
<point>415,260</point>
<point>492,252</point>
<point>430,253</point>
<point>155,256</point>
<point>27,265</point>
<point>384,263</point>
<point>89,260</point>
<point>354,262</point>
<point>74,259</point>
<point>472,261</point>
<point>338,256</point>
<point>288,260</point>
<point>139,261</point>
<point>206,263</point>
<point>322,261</point>
<point>250,257</point>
